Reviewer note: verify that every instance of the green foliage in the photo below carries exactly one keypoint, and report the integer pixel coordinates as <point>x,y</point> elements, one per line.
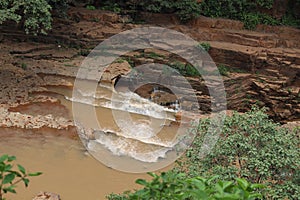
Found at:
<point>34,14</point>
<point>111,6</point>
<point>187,9</point>
<point>292,16</point>
<point>253,147</point>
<point>184,9</point>
<point>177,186</point>
<point>10,177</point>
<point>205,46</point>
<point>60,7</point>
<point>84,52</point>
<point>251,20</point>
<point>90,7</point>
<point>24,66</point>
<point>154,55</point>
<point>185,69</point>
<point>290,20</point>
<point>223,70</point>
<point>244,10</point>
<point>232,8</point>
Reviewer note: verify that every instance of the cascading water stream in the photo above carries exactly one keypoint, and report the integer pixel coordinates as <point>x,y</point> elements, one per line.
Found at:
<point>146,137</point>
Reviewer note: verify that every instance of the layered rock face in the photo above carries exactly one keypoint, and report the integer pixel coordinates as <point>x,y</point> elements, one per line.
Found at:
<point>263,66</point>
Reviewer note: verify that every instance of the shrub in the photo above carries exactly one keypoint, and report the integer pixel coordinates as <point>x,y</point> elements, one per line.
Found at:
<point>184,9</point>
<point>90,7</point>
<point>232,8</point>
<point>239,10</point>
<point>253,147</point>
<point>251,20</point>
<point>9,177</point>
<point>35,15</point>
<point>177,186</point>
<point>223,70</point>
<point>185,69</point>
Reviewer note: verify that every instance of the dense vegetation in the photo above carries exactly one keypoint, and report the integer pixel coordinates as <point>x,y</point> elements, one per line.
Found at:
<point>177,186</point>
<point>251,147</point>
<point>35,15</point>
<point>252,12</point>
<point>255,148</point>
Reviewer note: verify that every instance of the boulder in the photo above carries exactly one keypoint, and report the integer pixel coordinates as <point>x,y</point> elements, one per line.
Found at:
<point>46,196</point>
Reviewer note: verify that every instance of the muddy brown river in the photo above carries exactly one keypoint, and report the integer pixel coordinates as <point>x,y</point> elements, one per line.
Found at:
<point>67,168</point>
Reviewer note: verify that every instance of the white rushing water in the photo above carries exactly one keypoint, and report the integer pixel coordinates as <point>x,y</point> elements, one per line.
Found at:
<point>141,132</point>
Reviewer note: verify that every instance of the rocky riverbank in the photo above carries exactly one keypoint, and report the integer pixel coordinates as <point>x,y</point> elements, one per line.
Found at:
<point>263,65</point>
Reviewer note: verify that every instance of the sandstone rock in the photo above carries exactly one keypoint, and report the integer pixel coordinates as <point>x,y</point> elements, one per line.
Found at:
<point>158,52</point>
<point>216,23</point>
<point>46,196</point>
<point>56,81</point>
<point>18,120</point>
<point>115,70</point>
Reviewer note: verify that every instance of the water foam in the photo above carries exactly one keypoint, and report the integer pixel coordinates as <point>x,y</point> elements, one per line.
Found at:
<point>138,150</point>
<point>136,139</point>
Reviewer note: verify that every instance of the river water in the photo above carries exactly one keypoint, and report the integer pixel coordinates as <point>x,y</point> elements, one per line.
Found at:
<point>67,168</point>
<point>132,135</point>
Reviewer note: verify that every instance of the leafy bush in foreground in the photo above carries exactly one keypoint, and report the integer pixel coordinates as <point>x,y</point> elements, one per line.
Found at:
<point>9,177</point>
<point>253,147</point>
<point>177,186</point>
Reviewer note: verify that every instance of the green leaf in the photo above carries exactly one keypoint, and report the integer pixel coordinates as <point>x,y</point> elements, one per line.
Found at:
<point>2,166</point>
<point>26,181</point>
<point>199,194</point>
<point>243,183</point>
<point>3,158</point>
<point>11,158</point>
<point>152,174</point>
<point>35,174</point>
<point>198,183</point>
<point>257,186</point>
<point>141,182</point>
<point>10,189</point>
<point>255,196</point>
<point>8,178</point>
<point>226,184</point>
<point>22,169</point>
<point>7,167</point>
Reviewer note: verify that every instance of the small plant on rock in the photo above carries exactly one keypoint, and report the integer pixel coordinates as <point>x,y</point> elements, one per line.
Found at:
<point>223,70</point>
<point>90,7</point>
<point>205,46</point>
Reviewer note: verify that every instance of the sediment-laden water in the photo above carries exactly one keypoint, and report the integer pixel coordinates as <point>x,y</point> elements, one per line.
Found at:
<point>67,168</point>
<point>131,133</point>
